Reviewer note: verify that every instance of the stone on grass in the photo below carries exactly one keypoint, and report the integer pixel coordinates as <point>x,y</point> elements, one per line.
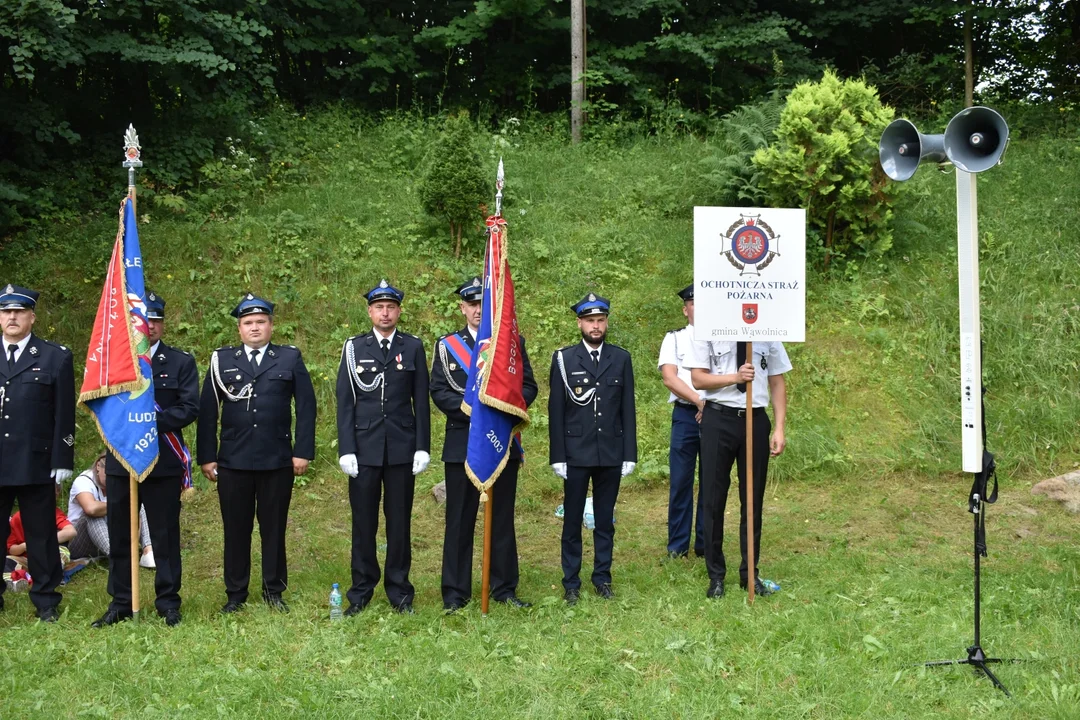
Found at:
<point>1063,488</point>
<point>439,491</point>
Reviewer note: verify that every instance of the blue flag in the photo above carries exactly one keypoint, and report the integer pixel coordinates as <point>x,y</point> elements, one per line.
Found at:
<point>117,387</point>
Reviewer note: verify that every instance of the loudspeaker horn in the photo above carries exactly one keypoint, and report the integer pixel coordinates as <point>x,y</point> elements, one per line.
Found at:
<point>903,147</point>
<point>976,138</point>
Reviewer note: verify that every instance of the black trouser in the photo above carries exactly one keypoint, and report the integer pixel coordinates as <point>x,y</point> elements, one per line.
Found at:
<point>723,442</point>
<point>462,503</point>
<point>395,485</point>
<point>605,491</point>
<point>245,494</point>
<point>161,498</point>
<point>37,505</point>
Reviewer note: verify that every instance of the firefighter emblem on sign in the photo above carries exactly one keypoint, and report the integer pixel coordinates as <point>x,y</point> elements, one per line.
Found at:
<point>750,244</point>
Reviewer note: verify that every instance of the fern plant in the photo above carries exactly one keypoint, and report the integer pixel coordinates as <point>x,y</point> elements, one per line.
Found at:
<point>732,177</point>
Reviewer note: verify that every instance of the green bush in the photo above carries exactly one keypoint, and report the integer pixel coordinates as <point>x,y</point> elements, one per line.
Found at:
<point>453,187</point>
<point>825,159</point>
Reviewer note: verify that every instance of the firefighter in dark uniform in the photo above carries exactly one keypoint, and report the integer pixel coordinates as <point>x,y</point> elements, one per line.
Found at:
<point>449,375</point>
<point>37,440</point>
<point>384,440</point>
<point>593,432</point>
<point>176,394</point>
<point>254,385</point>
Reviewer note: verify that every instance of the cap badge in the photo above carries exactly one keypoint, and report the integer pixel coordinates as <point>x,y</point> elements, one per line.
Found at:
<point>250,297</point>
<point>384,284</point>
<point>476,282</point>
<point>153,297</point>
<point>592,298</point>
<point>9,289</point>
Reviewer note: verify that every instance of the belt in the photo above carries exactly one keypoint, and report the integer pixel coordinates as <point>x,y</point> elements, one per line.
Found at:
<point>684,404</point>
<point>732,411</point>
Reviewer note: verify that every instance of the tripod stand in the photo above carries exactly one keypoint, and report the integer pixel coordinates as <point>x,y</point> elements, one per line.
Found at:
<point>977,502</point>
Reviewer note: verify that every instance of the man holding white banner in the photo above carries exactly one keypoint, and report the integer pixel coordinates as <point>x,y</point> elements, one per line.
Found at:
<point>749,277</point>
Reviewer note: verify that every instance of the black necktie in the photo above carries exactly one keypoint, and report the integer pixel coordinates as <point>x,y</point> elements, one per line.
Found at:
<point>740,360</point>
<point>595,358</point>
<point>254,359</point>
<point>385,348</point>
<point>11,356</point>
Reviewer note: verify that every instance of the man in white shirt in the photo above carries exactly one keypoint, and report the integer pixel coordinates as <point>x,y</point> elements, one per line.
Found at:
<point>687,406</point>
<point>724,373</point>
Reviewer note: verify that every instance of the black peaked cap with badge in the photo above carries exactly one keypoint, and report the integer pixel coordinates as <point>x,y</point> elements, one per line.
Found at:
<point>384,291</point>
<point>37,426</point>
<point>176,392</point>
<point>471,290</point>
<point>591,304</point>
<point>687,293</point>
<point>255,404</point>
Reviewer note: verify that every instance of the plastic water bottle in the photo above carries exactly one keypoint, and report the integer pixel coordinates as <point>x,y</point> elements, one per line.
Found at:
<point>588,519</point>
<point>335,604</point>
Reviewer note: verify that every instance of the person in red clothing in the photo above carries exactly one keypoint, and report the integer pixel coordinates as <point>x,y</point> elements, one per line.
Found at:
<point>16,542</point>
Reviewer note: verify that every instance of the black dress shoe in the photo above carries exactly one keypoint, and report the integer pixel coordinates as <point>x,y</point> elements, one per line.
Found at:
<point>759,587</point>
<point>676,555</point>
<point>172,616</point>
<point>355,608</point>
<point>112,616</point>
<point>604,590</point>
<point>716,589</point>
<point>50,614</point>
<point>231,607</point>
<point>452,607</point>
<point>571,596</point>
<point>404,608</point>
<point>276,603</point>
<point>514,601</point>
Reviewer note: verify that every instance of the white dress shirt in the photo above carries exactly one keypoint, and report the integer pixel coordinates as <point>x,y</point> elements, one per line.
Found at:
<point>718,357</point>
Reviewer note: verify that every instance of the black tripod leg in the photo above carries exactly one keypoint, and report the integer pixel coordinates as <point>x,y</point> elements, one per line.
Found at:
<point>993,678</point>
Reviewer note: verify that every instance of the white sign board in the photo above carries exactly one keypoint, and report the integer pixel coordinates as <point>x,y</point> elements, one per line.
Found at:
<point>749,274</point>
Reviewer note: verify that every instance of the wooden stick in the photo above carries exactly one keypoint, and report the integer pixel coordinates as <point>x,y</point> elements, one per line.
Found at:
<point>485,582</point>
<point>749,500</point>
<point>133,505</point>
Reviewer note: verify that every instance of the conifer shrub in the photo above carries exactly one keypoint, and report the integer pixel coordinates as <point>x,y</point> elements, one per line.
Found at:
<point>825,159</point>
<point>453,187</point>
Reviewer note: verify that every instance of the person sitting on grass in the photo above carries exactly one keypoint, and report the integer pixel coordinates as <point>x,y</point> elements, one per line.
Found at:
<point>16,542</point>
<point>87,507</point>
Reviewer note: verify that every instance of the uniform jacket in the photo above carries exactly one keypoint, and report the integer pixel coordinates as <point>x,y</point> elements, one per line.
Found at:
<point>392,421</point>
<point>176,390</point>
<point>448,399</point>
<point>37,425</point>
<point>257,432</point>
<point>604,431</point>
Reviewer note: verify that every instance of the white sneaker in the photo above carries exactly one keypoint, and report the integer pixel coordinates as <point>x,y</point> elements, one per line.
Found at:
<point>147,560</point>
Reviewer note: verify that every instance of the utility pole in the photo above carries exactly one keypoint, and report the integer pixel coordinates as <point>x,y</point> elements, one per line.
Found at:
<point>577,68</point>
<point>969,59</point>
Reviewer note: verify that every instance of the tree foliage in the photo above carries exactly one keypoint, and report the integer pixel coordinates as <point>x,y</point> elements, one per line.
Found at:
<point>189,73</point>
<point>825,159</point>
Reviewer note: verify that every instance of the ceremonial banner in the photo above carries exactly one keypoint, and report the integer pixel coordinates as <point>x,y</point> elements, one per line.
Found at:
<point>117,387</point>
<point>749,274</point>
<point>493,393</point>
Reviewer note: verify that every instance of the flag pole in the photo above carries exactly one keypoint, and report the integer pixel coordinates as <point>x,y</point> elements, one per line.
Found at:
<point>749,501</point>
<point>485,573</point>
<point>132,154</point>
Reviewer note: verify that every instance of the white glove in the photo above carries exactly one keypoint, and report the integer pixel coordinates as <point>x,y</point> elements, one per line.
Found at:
<point>348,465</point>
<point>420,461</point>
<point>60,476</point>
<point>560,469</point>
<point>627,468</point>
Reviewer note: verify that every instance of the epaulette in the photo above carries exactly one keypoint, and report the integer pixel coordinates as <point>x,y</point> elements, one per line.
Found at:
<point>54,344</point>
<point>405,334</point>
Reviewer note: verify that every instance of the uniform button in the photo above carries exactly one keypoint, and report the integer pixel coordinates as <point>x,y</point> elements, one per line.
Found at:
<point>256,425</point>
<point>5,435</point>
<point>600,430</point>
<point>255,410</point>
<point>600,414</point>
